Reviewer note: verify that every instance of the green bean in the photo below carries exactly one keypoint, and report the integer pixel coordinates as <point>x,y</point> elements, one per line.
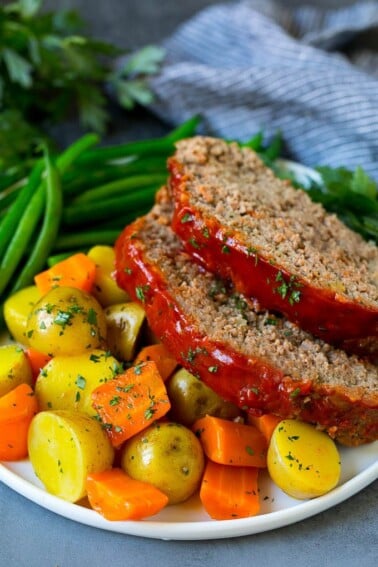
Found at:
<point>119,222</point>
<point>184,130</point>
<point>10,194</point>
<point>75,150</point>
<point>78,180</point>
<point>150,147</point>
<point>84,239</point>
<point>140,148</point>
<point>28,215</point>
<point>50,225</point>
<point>83,214</point>
<point>110,190</point>
<point>16,210</point>
<point>20,240</point>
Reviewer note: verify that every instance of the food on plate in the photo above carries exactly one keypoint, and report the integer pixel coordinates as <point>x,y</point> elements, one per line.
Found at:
<point>167,455</point>
<point>14,368</point>
<point>275,244</point>
<point>67,382</point>
<point>131,401</point>
<point>66,320</point>
<point>230,492</point>
<point>161,356</point>
<point>64,448</point>
<point>116,496</point>
<point>17,409</point>
<point>303,461</point>
<point>105,288</point>
<point>17,309</point>
<point>124,323</point>
<point>255,359</point>
<point>77,270</point>
<point>189,382</point>
<point>231,443</point>
<point>191,399</point>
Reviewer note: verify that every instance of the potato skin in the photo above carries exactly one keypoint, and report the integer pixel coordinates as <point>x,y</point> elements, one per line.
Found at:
<point>14,368</point>
<point>192,399</point>
<point>64,447</point>
<point>17,309</point>
<point>105,288</point>
<point>303,461</point>
<point>66,321</point>
<point>124,324</point>
<point>67,382</point>
<point>167,455</point>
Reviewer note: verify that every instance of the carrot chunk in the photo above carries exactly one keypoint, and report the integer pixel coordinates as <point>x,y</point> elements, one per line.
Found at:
<point>116,496</point>
<point>37,360</point>
<point>229,492</point>
<point>17,409</point>
<point>131,401</point>
<point>77,270</point>
<point>231,443</point>
<point>265,423</point>
<point>163,359</point>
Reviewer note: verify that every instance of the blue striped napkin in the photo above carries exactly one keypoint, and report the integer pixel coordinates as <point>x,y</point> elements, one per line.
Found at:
<point>248,66</point>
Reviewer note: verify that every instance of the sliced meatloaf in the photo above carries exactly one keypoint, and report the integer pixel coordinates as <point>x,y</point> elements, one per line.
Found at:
<point>274,243</point>
<point>254,358</point>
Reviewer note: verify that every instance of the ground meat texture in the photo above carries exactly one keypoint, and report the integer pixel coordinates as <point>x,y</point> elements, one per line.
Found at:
<point>252,357</point>
<point>241,222</point>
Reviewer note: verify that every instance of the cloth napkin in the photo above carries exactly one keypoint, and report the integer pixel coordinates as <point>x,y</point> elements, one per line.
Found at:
<point>251,65</point>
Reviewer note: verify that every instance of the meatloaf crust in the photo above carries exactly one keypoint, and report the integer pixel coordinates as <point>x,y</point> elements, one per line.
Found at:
<point>256,359</point>
<point>274,243</point>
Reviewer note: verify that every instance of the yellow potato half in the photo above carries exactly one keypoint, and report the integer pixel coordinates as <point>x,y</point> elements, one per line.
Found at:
<point>17,309</point>
<point>67,321</point>
<point>64,447</point>
<point>105,288</point>
<point>14,368</point>
<point>303,461</point>
<point>67,382</point>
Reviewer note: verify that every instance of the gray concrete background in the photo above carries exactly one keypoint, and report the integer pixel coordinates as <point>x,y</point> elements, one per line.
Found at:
<point>30,536</point>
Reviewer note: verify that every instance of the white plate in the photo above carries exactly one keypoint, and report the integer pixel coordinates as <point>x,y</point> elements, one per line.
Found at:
<point>189,521</point>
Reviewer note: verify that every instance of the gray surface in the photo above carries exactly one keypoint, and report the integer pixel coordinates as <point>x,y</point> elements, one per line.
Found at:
<point>33,537</point>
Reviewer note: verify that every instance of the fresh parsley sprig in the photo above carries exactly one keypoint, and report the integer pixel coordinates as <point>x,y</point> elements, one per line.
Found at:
<point>51,70</point>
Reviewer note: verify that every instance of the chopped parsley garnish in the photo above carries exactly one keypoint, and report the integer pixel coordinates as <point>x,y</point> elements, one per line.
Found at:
<point>80,382</point>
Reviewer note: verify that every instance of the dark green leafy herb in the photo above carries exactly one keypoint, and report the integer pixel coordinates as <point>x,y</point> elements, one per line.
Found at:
<point>49,67</point>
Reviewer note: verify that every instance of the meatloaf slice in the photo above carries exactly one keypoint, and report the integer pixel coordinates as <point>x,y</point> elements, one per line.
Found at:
<point>256,359</point>
<point>274,243</point>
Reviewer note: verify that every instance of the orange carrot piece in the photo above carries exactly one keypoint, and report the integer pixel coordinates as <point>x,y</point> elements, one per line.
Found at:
<point>77,270</point>
<point>116,496</point>
<point>162,358</point>
<point>231,443</point>
<point>265,423</point>
<point>131,401</point>
<point>17,409</point>
<point>37,360</point>
<point>229,492</point>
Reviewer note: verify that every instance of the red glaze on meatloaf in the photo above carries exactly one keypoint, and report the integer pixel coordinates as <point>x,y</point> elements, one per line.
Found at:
<point>241,222</point>
<point>250,357</point>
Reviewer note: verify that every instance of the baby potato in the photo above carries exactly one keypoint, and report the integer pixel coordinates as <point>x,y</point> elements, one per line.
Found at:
<point>17,309</point>
<point>67,382</point>
<point>124,324</point>
<point>191,399</point>
<point>14,368</point>
<point>303,461</point>
<point>64,447</point>
<point>105,288</point>
<point>66,321</point>
<point>167,455</point>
